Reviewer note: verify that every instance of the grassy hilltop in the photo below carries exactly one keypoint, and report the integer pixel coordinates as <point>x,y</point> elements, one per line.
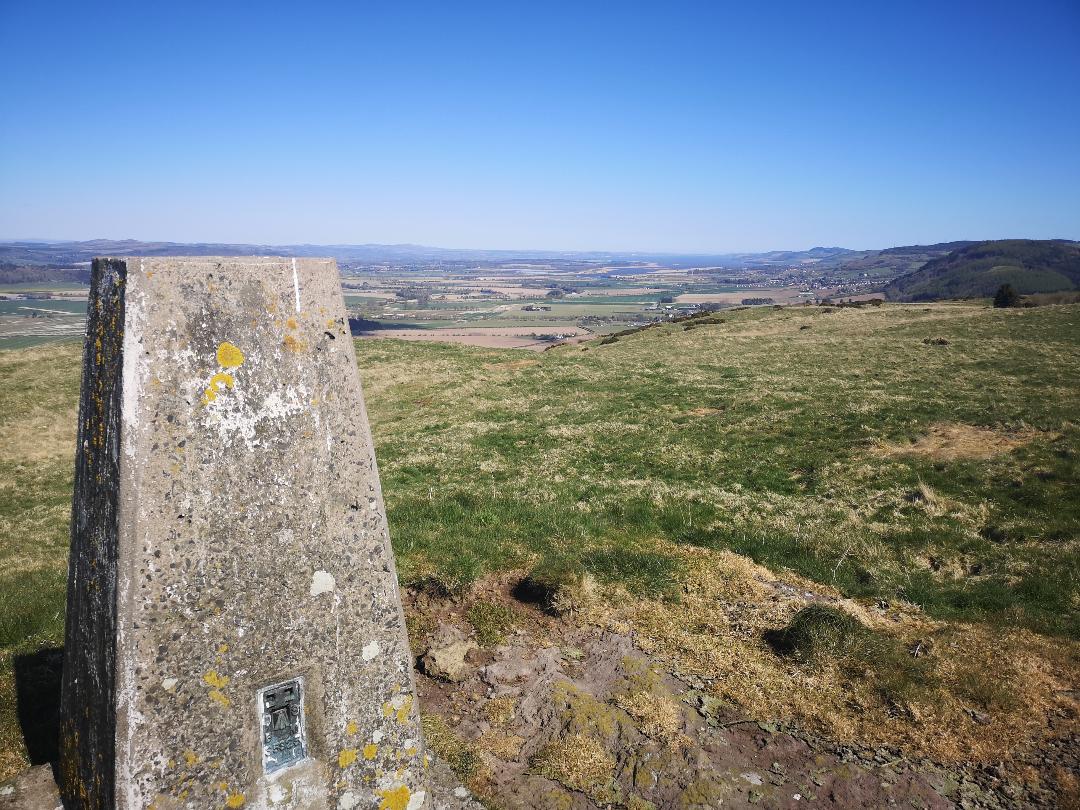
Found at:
<point>798,437</point>
<point>917,466</point>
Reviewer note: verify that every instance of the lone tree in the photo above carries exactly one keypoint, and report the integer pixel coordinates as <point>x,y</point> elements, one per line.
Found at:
<point>1006,297</point>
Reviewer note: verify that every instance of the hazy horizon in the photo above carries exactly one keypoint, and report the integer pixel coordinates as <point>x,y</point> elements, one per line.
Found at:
<point>520,250</point>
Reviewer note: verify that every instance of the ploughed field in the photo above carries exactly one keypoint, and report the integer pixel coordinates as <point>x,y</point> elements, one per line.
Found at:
<point>863,521</point>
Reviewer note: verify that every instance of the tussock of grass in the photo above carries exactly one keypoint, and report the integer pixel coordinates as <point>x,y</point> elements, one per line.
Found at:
<point>463,757</point>
<point>819,635</point>
<point>579,762</point>
<point>491,621</point>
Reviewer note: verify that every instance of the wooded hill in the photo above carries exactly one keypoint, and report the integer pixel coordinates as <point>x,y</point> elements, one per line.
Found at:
<point>979,269</point>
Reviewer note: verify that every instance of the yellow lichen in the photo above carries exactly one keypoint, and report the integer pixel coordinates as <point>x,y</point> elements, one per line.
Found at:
<point>394,799</point>
<point>403,710</point>
<point>351,727</point>
<point>218,380</point>
<point>370,751</point>
<point>229,356</point>
<point>235,800</point>
<point>293,345</point>
<point>213,679</point>
<point>346,758</point>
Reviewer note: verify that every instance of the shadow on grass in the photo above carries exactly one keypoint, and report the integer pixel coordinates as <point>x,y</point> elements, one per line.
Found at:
<point>37,697</point>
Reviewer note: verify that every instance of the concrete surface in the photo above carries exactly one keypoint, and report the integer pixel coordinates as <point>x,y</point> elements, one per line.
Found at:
<point>229,535</point>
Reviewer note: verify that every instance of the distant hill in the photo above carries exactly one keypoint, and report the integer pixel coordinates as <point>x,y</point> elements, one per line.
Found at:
<point>885,265</point>
<point>977,270</point>
<point>67,254</point>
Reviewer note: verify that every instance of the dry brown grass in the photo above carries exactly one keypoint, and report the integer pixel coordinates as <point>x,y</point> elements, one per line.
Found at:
<point>501,711</point>
<point>579,762</point>
<point>952,442</point>
<point>992,690</point>
<point>655,715</point>
<point>504,746</point>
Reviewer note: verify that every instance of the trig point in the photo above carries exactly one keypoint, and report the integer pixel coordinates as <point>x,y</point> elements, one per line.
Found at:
<point>234,630</point>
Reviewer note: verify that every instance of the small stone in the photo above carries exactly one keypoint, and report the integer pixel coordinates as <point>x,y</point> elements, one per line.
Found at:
<point>445,656</point>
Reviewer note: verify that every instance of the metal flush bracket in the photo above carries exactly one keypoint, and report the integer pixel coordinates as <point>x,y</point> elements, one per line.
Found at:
<point>281,712</point>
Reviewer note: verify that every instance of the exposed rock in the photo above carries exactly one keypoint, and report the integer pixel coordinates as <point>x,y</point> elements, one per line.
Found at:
<point>445,656</point>
<point>33,789</point>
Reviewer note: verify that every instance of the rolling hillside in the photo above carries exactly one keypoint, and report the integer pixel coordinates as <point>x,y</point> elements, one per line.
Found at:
<point>979,269</point>
<point>689,491</point>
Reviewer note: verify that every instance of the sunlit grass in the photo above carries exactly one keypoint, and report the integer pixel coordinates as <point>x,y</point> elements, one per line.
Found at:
<point>788,436</point>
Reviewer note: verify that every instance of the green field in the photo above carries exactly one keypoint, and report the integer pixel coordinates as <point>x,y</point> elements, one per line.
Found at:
<point>923,460</point>
<point>752,433</point>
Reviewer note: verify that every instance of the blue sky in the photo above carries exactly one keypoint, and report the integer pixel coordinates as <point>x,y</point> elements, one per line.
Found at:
<point>613,126</point>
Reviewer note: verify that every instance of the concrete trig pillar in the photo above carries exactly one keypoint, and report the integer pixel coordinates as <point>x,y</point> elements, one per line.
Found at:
<point>234,630</point>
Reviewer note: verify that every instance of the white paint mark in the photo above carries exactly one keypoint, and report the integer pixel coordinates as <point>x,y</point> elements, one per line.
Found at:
<point>416,800</point>
<point>236,416</point>
<point>348,801</point>
<point>370,651</point>
<point>168,684</point>
<point>322,582</point>
<point>296,286</point>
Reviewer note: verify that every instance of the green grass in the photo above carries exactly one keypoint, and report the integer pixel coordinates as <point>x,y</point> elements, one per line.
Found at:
<point>752,435</point>
<point>746,433</point>
<point>491,621</point>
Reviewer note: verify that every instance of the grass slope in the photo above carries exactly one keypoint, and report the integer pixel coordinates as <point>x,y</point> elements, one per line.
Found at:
<point>977,270</point>
<point>912,454</point>
<point>776,434</point>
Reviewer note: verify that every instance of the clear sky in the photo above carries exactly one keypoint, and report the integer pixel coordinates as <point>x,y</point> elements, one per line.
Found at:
<point>678,126</point>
